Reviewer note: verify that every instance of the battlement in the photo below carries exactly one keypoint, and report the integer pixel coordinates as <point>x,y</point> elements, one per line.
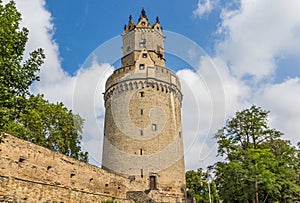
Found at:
<point>128,78</point>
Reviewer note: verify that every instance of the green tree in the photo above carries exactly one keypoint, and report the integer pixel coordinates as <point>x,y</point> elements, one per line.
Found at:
<point>15,76</point>
<point>258,166</point>
<point>201,186</point>
<point>27,116</point>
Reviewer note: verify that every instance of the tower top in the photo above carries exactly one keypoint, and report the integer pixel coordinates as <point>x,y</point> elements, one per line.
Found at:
<point>143,23</point>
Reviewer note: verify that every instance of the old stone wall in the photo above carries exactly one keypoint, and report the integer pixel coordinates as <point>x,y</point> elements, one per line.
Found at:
<point>30,173</point>
<point>19,190</point>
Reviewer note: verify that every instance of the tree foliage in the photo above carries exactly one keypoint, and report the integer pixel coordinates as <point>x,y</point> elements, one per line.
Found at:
<point>27,116</point>
<point>259,166</point>
<point>201,186</point>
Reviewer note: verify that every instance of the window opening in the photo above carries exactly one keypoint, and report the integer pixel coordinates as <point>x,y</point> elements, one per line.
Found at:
<point>142,66</point>
<point>154,128</point>
<point>143,43</point>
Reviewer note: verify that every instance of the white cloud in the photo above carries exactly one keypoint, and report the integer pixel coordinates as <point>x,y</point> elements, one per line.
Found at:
<point>204,7</point>
<point>39,22</point>
<point>257,34</point>
<point>81,92</point>
<point>210,95</point>
<point>282,100</point>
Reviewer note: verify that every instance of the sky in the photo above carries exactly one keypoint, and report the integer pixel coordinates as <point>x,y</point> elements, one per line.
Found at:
<point>228,55</point>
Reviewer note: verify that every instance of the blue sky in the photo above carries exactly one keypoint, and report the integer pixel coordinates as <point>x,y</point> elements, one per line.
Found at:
<point>229,55</point>
<point>80,27</point>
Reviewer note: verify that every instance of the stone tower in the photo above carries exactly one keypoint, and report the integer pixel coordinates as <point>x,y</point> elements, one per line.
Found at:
<point>142,132</point>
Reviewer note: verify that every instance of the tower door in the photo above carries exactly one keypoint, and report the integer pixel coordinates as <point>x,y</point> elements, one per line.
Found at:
<point>152,182</point>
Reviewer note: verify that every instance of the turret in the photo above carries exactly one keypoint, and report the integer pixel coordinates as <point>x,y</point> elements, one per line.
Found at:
<point>143,36</point>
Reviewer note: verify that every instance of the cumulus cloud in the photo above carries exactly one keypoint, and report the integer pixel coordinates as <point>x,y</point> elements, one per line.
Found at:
<point>38,20</point>
<point>81,92</point>
<point>282,100</point>
<point>204,7</point>
<point>257,34</point>
<point>211,94</point>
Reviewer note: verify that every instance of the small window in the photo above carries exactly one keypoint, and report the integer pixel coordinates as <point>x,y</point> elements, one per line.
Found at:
<point>142,94</point>
<point>179,134</point>
<point>142,132</point>
<point>142,111</point>
<point>142,66</point>
<point>143,23</point>
<point>154,127</point>
<point>142,173</point>
<point>143,43</point>
<point>128,48</point>
<point>141,151</point>
<point>144,55</point>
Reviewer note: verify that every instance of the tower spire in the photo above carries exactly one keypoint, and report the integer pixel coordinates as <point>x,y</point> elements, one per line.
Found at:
<point>143,13</point>
<point>157,19</point>
<point>130,18</point>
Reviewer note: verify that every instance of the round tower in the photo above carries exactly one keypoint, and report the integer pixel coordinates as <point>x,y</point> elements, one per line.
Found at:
<point>142,132</point>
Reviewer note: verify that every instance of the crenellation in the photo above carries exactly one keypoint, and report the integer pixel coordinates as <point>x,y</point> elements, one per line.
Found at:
<point>139,83</point>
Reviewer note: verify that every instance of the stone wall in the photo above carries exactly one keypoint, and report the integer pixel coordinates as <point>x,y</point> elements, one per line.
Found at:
<point>20,190</point>
<point>30,173</point>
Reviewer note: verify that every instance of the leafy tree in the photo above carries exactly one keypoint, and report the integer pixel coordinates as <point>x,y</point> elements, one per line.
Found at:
<point>27,116</point>
<point>201,186</point>
<point>258,166</point>
<point>15,76</point>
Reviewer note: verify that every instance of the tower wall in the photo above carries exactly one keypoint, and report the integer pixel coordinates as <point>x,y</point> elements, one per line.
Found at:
<point>143,135</point>
<point>142,132</point>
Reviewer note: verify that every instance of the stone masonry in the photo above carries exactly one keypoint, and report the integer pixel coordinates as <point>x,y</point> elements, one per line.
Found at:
<point>30,173</point>
<point>142,133</point>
